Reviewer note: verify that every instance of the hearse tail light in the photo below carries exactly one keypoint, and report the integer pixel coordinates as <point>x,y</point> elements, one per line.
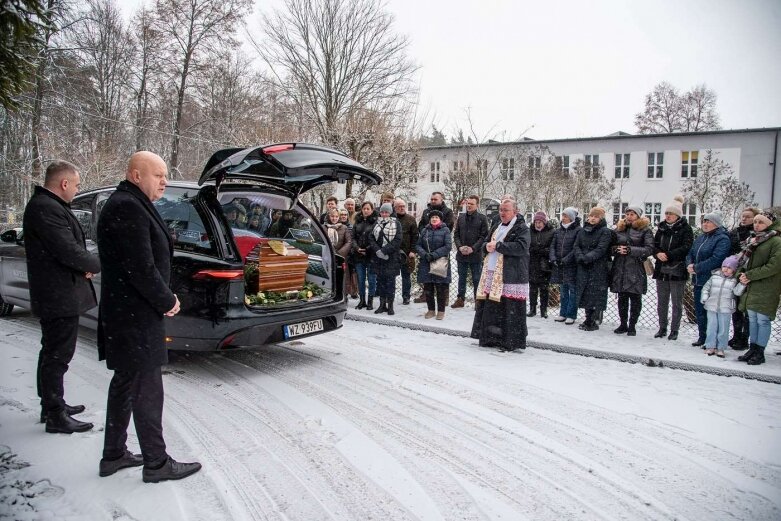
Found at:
<point>225,343</point>
<point>219,275</point>
<point>273,149</point>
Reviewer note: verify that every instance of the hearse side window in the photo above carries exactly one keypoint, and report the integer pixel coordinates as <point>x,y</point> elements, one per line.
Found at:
<point>177,209</point>
<point>82,209</point>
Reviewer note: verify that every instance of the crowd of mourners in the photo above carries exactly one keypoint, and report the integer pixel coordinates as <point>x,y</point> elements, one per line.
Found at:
<point>735,275</point>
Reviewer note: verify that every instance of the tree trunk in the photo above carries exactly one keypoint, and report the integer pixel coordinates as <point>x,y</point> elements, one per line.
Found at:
<point>174,162</point>
<point>40,76</point>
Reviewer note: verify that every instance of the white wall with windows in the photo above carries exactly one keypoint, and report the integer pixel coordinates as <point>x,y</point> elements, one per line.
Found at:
<point>648,170</point>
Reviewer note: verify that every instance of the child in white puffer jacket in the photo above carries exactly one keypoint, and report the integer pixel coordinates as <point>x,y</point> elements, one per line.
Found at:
<point>718,299</point>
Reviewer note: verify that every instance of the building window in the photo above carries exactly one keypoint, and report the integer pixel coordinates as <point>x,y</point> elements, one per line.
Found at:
<point>507,171</point>
<point>654,212</point>
<point>689,163</point>
<point>622,166</point>
<point>434,171</point>
<point>592,166</point>
<point>534,166</point>
<point>562,163</point>
<point>619,209</point>
<point>655,165</point>
<point>412,208</point>
<point>458,166</point>
<point>690,213</point>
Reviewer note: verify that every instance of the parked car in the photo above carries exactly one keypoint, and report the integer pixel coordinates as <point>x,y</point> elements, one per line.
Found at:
<point>221,307</point>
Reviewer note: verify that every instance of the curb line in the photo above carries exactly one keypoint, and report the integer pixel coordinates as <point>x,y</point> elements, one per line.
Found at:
<point>582,351</point>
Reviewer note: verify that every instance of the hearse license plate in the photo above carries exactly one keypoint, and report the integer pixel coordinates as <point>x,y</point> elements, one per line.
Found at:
<point>303,328</point>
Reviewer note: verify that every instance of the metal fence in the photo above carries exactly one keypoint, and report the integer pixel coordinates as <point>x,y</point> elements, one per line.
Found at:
<point>648,317</point>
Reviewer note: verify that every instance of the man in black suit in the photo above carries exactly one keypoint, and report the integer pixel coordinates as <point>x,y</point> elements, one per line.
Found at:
<point>136,252</point>
<point>59,269</point>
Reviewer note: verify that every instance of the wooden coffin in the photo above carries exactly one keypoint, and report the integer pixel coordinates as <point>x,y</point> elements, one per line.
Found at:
<point>280,267</point>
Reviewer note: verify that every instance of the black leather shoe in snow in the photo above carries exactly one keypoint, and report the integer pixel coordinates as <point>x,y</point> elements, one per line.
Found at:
<point>170,470</point>
<point>128,459</point>
<point>70,409</point>
<point>61,422</point>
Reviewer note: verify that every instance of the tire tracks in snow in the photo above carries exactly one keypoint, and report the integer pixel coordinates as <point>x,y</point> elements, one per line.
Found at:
<point>657,459</point>
<point>418,424</point>
<point>648,465</point>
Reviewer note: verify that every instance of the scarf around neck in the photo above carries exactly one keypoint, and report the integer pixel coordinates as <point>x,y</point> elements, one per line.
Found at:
<point>751,244</point>
<point>384,229</point>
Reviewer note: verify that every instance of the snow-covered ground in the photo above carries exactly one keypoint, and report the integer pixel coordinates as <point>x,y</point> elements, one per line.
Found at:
<point>387,423</point>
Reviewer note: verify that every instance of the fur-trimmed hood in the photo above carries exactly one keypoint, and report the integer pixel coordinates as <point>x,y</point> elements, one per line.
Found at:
<point>640,224</point>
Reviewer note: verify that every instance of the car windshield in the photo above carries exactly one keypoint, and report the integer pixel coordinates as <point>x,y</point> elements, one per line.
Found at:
<point>184,221</point>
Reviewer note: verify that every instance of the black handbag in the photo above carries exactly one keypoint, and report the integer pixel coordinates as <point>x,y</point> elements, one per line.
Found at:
<point>671,269</point>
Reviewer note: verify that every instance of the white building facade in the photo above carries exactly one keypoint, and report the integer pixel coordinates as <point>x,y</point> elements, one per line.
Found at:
<point>647,169</point>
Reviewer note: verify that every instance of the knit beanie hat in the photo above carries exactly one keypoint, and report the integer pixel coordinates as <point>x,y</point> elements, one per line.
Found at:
<point>635,208</point>
<point>541,216</point>
<point>386,208</point>
<point>570,212</point>
<point>730,262</point>
<point>676,206</point>
<point>714,217</point>
<point>597,212</point>
<point>765,217</point>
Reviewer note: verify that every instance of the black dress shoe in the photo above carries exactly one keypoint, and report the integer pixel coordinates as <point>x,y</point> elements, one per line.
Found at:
<point>698,343</point>
<point>128,459</point>
<point>631,331</point>
<point>673,335</point>
<point>62,422</point>
<point>621,329</point>
<point>661,333</point>
<point>405,301</point>
<point>170,470</point>
<point>70,409</point>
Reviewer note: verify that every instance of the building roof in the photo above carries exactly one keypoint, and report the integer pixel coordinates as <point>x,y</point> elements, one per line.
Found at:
<point>616,135</point>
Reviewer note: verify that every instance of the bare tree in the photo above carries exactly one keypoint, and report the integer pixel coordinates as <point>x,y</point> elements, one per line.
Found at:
<point>662,112</point>
<point>699,109</point>
<point>716,188</point>
<point>337,59</point>
<point>103,49</point>
<point>147,43</point>
<point>56,10</point>
<point>586,185</point>
<point>667,110</point>
<point>735,196</point>
<point>194,27</point>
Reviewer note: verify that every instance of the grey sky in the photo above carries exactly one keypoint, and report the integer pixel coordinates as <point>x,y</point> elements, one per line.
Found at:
<point>574,68</point>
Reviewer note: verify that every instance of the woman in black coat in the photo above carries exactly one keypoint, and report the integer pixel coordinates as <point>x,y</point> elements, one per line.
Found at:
<point>592,252</point>
<point>385,244</point>
<point>562,259</point>
<point>434,243</point>
<point>539,264</point>
<point>634,243</point>
<point>500,310</point>
<point>361,255</point>
<point>672,242</point>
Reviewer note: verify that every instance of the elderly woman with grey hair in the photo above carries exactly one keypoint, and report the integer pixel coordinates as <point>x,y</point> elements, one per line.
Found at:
<point>500,312</point>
